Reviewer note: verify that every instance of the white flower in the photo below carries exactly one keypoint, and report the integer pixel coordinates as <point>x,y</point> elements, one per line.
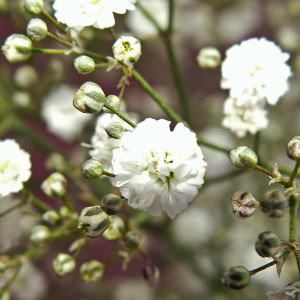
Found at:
<point>102,144</point>
<point>256,70</point>
<point>127,49</point>
<point>97,13</point>
<point>158,169</point>
<point>241,119</point>
<point>61,117</point>
<point>15,167</point>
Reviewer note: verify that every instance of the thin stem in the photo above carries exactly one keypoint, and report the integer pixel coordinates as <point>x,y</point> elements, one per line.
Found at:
<point>271,174</point>
<point>256,143</point>
<point>52,51</point>
<point>293,215</point>
<point>67,203</point>
<point>223,177</point>
<point>11,209</point>
<point>108,174</point>
<point>58,39</point>
<point>294,174</point>
<point>123,117</point>
<point>266,266</point>
<point>297,256</point>
<point>212,146</point>
<point>171,16</point>
<point>113,34</point>
<point>53,20</point>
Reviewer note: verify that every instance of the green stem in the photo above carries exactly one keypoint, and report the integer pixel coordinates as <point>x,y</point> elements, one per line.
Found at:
<point>212,146</point>
<point>108,174</point>
<point>293,216</point>
<point>171,16</point>
<point>297,256</point>
<point>60,40</point>
<point>67,203</point>
<point>256,143</point>
<point>271,174</point>
<point>123,117</point>
<point>294,173</point>
<point>53,20</point>
<point>221,178</point>
<point>11,209</point>
<point>52,51</point>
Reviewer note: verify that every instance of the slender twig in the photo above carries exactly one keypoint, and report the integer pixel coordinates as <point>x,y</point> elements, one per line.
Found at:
<point>60,40</point>
<point>293,214</point>
<point>53,21</point>
<point>294,173</point>
<point>11,209</point>
<point>266,266</point>
<point>119,114</point>
<point>171,16</point>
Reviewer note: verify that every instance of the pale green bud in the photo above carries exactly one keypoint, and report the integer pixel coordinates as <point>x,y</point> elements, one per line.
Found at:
<point>37,29</point>
<point>293,148</point>
<point>56,162</point>
<point>209,58</point>
<point>112,204</point>
<point>63,264</point>
<point>34,7</point>
<point>55,185</point>
<point>66,213</point>
<point>133,240</point>
<point>92,169</point>
<point>93,220</point>
<point>115,130</point>
<point>115,229</point>
<point>25,76</point>
<point>21,99</point>
<point>243,157</point>
<point>268,244</point>
<point>51,217</point>
<point>17,48</point>
<point>40,234</point>
<point>89,98</point>
<point>91,271</point>
<point>236,278</point>
<point>84,64</point>
<point>114,102</point>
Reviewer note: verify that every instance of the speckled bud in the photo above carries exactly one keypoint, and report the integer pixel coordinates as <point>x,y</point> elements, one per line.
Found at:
<point>236,278</point>
<point>268,244</point>
<point>112,204</point>
<point>63,264</point>
<point>92,271</point>
<point>293,148</point>
<point>274,204</point>
<point>92,169</point>
<point>244,204</point>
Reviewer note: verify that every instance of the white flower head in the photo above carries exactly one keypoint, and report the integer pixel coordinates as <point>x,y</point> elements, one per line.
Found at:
<point>61,117</point>
<point>127,49</point>
<point>243,119</point>
<point>97,13</point>
<point>158,169</point>
<point>256,70</point>
<point>15,167</point>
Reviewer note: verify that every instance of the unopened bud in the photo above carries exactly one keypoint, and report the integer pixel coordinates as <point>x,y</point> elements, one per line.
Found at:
<point>274,204</point>
<point>66,213</point>
<point>34,7</point>
<point>63,264</point>
<point>114,102</point>
<point>55,185</point>
<point>115,130</point>
<point>93,220</point>
<point>56,162</point>
<point>236,278</point>
<point>84,64</point>
<point>89,98</point>
<point>40,234</point>
<point>92,169</point>
<point>25,77</point>
<point>151,274</point>
<point>37,29</point>
<point>51,217</point>
<point>243,157</point>
<point>21,98</point>
<point>111,204</point>
<point>293,148</point>
<point>91,271</point>
<point>244,204</point>
<point>133,240</point>
<point>115,229</point>
<point>209,58</point>
<point>268,244</point>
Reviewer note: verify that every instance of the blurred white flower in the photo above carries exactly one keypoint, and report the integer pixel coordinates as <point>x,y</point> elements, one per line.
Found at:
<point>158,169</point>
<point>15,167</point>
<point>243,119</point>
<point>97,13</point>
<point>254,71</point>
<point>61,117</point>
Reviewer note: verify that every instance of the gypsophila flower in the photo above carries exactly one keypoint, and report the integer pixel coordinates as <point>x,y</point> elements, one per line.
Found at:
<point>241,119</point>
<point>97,13</point>
<point>158,169</point>
<point>61,117</point>
<point>255,70</point>
<point>15,167</point>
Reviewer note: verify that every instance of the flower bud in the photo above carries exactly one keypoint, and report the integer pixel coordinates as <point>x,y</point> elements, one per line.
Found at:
<point>40,234</point>
<point>115,229</point>
<point>243,157</point>
<point>274,204</point>
<point>34,7</point>
<point>244,204</point>
<point>114,102</point>
<point>93,220</point>
<point>91,271</point>
<point>89,98</point>
<point>37,29</point>
<point>127,50</point>
<point>63,264</point>
<point>17,48</point>
<point>21,99</point>
<point>51,217</point>
<point>25,77</point>
<point>151,274</point>
<point>111,204</point>
<point>55,185</point>
<point>56,162</point>
<point>293,148</point>
<point>66,213</point>
<point>236,278</point>
<point>76,246</point>
<point>115,130</point>
<point>133,240</point>
<point>268,244</point>
<point>84,64</point>
<point>209,58</point>
<point>92,169</point>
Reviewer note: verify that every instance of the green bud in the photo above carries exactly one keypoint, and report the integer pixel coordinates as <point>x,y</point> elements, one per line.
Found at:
<point>115,130</point>
<point>92,169</point>
<point>56,162</point>
<point>93,220</point>
<point>25,77</point>
<point>91,271</point>
<point>274,204</point>
<point>21,98</point>
<point>17,48</point>
<point>55,185</point>
<point>63,264</point>
<point>209,58</point>
<point>244,204</point>
<point>114,102</point>
<point>236,278</point>
<point>133,240</point>
<point>293,148</point>
<point>243,157</point>
<point>51,217</point>
<point>34,7</point>
<point>115,229</point>
<point>77,245</point>
<point>268,244</point>
<point>40,234</point>
<point>84,64</point>
<point>89,98</point>
<point>111,204</point>
<point>66,213</point>
<point>37,29</point>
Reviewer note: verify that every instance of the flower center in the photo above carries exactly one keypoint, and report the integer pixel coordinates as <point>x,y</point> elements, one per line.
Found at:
<point>8,171</point>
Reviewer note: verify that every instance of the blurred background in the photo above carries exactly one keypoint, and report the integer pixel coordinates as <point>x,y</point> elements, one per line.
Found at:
<point>193,251</point>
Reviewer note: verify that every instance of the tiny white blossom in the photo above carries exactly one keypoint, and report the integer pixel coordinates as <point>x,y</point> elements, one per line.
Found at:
<point>243,119</point>
<point>97,13</point>
<point>15,167</point>
<point>61,117</point>
<point>158,169</point>
<point>256,70</point>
